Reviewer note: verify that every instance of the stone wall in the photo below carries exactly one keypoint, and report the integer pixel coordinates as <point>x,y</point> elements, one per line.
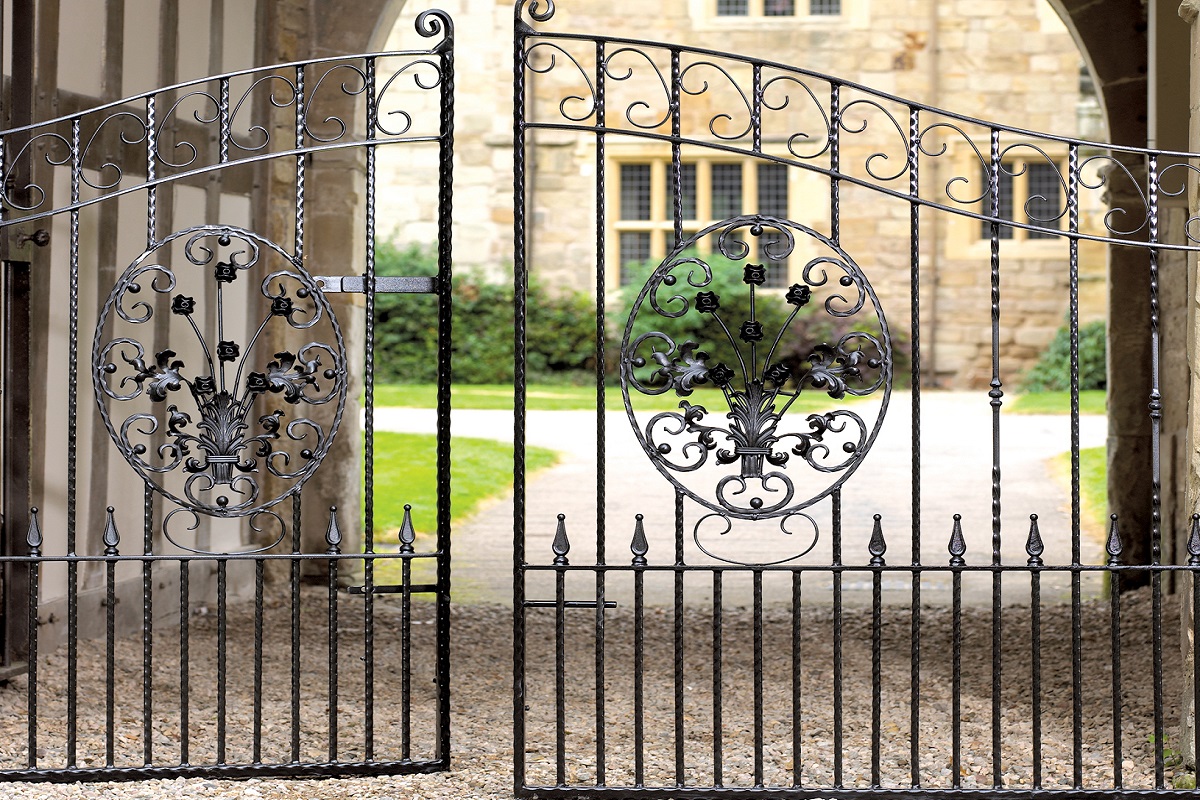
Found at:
<point>1012,62</point>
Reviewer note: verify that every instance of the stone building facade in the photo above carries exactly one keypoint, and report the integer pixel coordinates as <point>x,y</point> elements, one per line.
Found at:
<point>1014,63</point>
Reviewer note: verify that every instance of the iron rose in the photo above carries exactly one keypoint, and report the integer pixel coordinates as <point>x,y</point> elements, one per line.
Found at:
<point>798,295</point>
<point>752,331</point>
<point>755,274</point>
<point>227,351</point>
<point>181,304</point>
<point>707,302</point>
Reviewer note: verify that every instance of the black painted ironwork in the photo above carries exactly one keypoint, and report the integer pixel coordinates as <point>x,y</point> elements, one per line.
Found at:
<point>225,429</point>
<point>737,456</point>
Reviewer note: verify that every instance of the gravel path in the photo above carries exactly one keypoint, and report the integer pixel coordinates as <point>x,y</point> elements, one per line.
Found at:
<point>957,478</point>
<point>482,701</point>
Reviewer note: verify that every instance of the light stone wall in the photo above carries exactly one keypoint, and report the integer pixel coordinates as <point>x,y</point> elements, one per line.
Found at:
<point>1011,62</point>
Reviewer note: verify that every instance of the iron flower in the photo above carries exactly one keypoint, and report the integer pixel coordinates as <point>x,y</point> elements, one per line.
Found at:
<point>707,302</point>
<point>227,351</point>
<point>183,305</point>
<point>751,331</point>
<point>755,274</point>
<point>798,295</point>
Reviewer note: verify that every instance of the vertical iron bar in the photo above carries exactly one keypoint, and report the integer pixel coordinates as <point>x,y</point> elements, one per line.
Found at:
<point>914,228</point>
<point>876,672</point>
<point>835,165</point>
<point>1035,646</point>
<point>147,626</point>
<point>34,541</point>
<point>301,110</point>
<point>445,325</point>
<point>110,606</point>
<point>151,174</point>
<point>756,92</point>
<point>758,677</point>
<point>369,433</point>
<point>956,678</point>
<point>797,717</point>
<point>876,547</point>
<point>1076,594</point>
<point>1155,407</point>
<point>718,660</point>
<point>406,659</point>
<point>222,655</point>
<point>333,660</point>
<point>184,657</point>
<point>676,163</point>
<point>72,453</point>
<point>1114,601</point>
<point>560,676</point>
<point>259,565</point>
<point>225,130</point>
<point>601,361</point>
<point>837,638</point>
<point>679,728</point>
<point>295,585</point>
<point>639,661</point>
<point>996,394</point>
<point>520,282</point>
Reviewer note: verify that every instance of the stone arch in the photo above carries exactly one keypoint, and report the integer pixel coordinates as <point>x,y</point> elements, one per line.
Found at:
<point>1112,39</point>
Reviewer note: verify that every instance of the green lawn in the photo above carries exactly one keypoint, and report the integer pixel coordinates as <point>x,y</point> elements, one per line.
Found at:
<point>547,397</point>
<point>1093,486</point>
<point>1090,402</point>
<point>405,473</point>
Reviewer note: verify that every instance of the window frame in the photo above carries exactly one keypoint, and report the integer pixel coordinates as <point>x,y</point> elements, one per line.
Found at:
<point>661,226</point>
<point>756,9</point>
<point>1018,168</point>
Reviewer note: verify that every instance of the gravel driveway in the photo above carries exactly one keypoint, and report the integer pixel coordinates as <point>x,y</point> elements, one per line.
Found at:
<point>482,704</point>
<point>957,479</point>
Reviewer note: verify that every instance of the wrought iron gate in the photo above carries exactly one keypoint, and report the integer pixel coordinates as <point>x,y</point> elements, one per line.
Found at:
<point>226,374</point>
<point>755,629</point>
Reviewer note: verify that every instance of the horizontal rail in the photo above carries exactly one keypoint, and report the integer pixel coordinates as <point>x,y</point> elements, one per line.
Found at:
<point>383,285</point>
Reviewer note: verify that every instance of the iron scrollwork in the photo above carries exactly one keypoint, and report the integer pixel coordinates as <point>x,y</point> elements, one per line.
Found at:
<point>769,370</point>
<point>212,424</point>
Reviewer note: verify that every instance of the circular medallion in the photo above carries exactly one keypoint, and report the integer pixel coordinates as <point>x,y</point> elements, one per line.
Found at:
<point>187,386</point>
<point>779,428</point>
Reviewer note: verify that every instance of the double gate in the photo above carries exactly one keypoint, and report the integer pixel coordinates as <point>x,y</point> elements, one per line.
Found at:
<point>755,627</point>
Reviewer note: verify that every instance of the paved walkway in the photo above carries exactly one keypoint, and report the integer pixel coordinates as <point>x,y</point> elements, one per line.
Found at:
<point>955,452</point>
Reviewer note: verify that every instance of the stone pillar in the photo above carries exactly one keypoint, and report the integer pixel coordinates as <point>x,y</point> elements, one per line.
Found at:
<point>333,246</point>
<point>1129,439</point>
<point>1190,10</point>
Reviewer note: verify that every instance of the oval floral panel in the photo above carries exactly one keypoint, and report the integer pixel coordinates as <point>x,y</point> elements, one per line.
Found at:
<point>781,426</point>
<point>208,356</point>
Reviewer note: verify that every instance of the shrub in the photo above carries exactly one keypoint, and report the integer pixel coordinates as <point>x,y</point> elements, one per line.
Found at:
<point>561,330</point>
<point>811,326</point>
<point>1052,372</point>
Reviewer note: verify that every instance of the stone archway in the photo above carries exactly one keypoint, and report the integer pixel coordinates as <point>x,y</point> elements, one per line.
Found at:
<point>295,30</point>
<point>1112,39</point>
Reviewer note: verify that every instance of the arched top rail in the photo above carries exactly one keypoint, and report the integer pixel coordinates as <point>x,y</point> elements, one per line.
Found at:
<point>739,105</point>
<point>187,130</point>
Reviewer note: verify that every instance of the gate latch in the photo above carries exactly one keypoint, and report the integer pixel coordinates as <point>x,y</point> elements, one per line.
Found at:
<point>383,284</point>
<point>19,240</point>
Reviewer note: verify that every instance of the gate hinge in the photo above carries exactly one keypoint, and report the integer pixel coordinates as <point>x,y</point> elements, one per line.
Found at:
<point>383,285</point>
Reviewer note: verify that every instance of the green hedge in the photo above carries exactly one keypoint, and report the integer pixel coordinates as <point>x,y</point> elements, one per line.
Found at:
<point>561,330</point>
<point>1053,369</point>
<point>561,327</point>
